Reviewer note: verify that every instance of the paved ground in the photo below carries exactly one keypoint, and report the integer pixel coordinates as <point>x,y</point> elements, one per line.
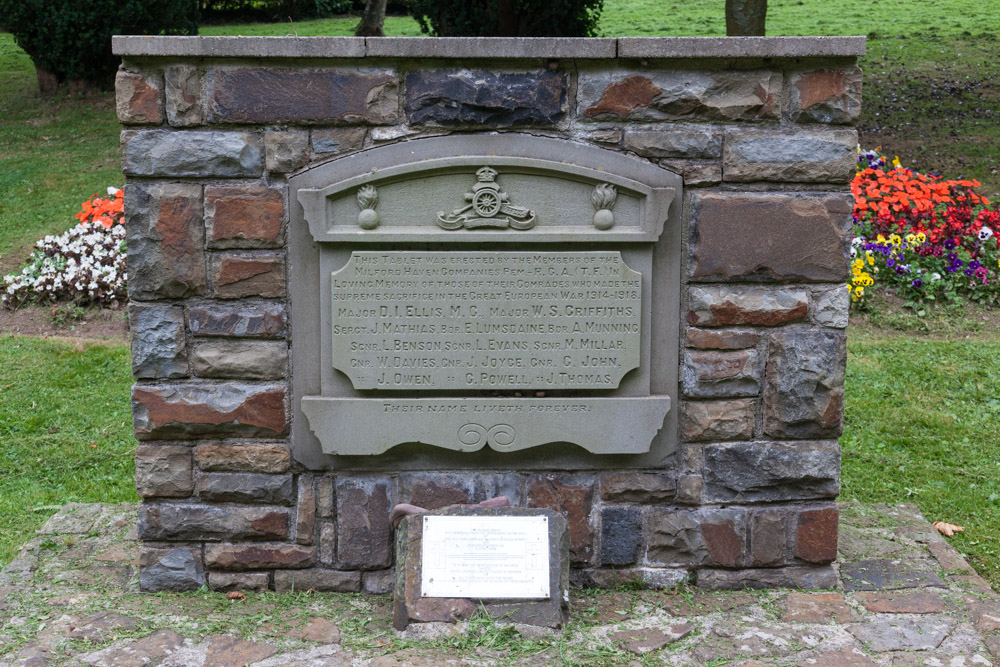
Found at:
<point>906,598</point>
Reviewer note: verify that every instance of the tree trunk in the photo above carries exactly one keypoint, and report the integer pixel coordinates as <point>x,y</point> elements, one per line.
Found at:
<point>745,17</point>
<point>372,19</point>
<point>47,81</point>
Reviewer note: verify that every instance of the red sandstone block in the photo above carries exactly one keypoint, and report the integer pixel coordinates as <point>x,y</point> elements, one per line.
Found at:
<point>138,98</point>
<point>244,217</point>
<point>239,276</point>
<point>573,498</point>
<point>816,539</point>
<point>195,410</point>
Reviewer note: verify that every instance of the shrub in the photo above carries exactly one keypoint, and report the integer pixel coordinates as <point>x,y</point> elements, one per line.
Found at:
<point>71,39</point>
<point>524,18</point>
<point>926,237</point>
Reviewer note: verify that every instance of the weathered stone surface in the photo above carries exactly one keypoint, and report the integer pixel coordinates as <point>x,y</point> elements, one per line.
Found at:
<point>807,236</point>
<point>817,608</point>
<point>270,95</point>
<point>717,420</point>
<point>317,630</point>
<point>770,532</point>
<point>720,306</point>
<point>159,348</point>
<point>363,538</point>
<point>716,374</point>
<point>830,307</point>
<point>846,657</point>
<point>646,640</point>
<point>172,570</point>
<point>647,488</point>
<point>139,98</point>
<point>685,538</point>
<point>906,633</point>
<point>435,490</point>
<point>725,541</point>
<point>809,578</point>
<point>379,582</point>
<point>227,651</point>
<point>163,521</point>
<point>192,153</point>
<point>656,578</point>
<point>325,497</point>
<point>769,471</point>
<point>804,392</point>
<point>803,156</point>
<point>573,498</point>
<point>826,96</point>
<point>183,95</point>
<point>621,533</point>
<point>917,602</point>
<point>286,150</point>
<point>479,97</point>
<point>224,582</point>
<point>241,276</point>
<point>305,511</point>
<point>877,575</point>
<point>102,626</point>
<point>689,488</point>
<point>240,487</point>
<point>684,141</point>
<point>165,236</point>
<point>258,556</point>
<point>194,410</point>
<point>328,543</point>
<point>240,359</point>
<point>316,579</point>
<point>695,173</point>
<point>252,320</point>
<point>816,536</point>
<point>733,95</point>
<point>163,470</point>
<point>244,217</point>
<point>337,140</point>
<point>708,339</point>
<point>242,457</point>
<point>149,650</point>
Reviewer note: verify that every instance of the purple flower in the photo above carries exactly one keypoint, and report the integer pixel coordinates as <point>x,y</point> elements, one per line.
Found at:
<point>974,265</point>
<point>890,262</point>
<point>949,244</point>
<point>918,283</point>
<point>952,257</point>
<point>968,272</point>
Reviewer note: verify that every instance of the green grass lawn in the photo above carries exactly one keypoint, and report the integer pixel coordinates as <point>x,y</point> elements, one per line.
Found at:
<point>65,431</point>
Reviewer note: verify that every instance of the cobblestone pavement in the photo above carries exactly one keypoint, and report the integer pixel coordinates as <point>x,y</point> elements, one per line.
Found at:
<point>906,598</point>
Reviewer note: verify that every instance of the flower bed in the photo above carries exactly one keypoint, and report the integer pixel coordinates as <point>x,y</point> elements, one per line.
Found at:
<point>925,237</point>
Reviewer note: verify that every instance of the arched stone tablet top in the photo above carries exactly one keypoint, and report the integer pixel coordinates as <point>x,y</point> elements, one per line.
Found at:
<point>497,188</point>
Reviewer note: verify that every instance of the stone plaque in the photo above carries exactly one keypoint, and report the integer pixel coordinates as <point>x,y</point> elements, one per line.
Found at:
<point>485,557</point>
<point>486,320</point>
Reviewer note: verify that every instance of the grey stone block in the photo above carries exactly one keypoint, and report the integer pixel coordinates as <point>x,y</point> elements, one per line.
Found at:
<point>316,579</point>
<point>831,307</point>
<point>714,373</point>
<point>239,47</point>
<point>621,535</point>
<point>492,47</point>
<point>159,347</point>
<point>194,153</point>
<point>163,470</point>
<point>177,570</point>
<point>223,582</point>
<point>183,98</point>
<point>672,141</point>
<point>740,47</point>
<point>244,488</point>
<point>770,471</point>
<point>804,392</point>
<point>719,306</point>
<point>175,521</point>
<point>801,156</point>
<point>245,319</point>
<point>717,420</point>
<point>808,578</point>
<point>485,98</point>
<point>240,359</point>
<point>286,150</point>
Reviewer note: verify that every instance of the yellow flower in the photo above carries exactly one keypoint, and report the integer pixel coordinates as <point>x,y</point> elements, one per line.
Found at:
<point>860,292</point>
<point>868,254</point>
<point>880,238</point>
<point>849,287</point>
<point>895,162</point>
<point>911,239</point>
<point>895,240</point>
<point>921,237</point>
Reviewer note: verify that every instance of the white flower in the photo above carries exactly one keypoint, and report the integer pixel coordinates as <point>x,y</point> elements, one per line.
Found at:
<point>935,276</point>
<point>985,234</point>
<point>112,191</point>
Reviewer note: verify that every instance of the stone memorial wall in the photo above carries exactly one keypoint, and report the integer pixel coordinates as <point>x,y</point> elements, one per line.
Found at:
<point>599,276</point>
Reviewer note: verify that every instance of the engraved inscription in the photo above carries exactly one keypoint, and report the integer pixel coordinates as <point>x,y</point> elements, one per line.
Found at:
<point>486,320</point>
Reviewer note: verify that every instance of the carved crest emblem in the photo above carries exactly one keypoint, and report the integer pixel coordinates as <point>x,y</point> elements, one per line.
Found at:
<point>489,207</point>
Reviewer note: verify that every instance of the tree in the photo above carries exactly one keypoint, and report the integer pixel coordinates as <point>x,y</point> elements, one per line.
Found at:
<point>372,19</point>
<point>745,17</point>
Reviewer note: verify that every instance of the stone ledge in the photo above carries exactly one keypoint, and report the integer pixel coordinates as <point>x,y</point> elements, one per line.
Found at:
<point>489,47</point>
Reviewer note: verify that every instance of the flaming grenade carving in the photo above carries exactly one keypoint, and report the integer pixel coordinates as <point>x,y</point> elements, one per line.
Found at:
<point>603,198</point>
<point>367,201</point>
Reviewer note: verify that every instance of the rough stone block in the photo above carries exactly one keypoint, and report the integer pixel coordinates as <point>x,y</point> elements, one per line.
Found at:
<point>242,276</point>
<point>770,538</point>
<point>244,217</point>
<point>831,307</point>
<point>717,420</point>
<point>195,410</point>
<point>707,339</point>
<point>183,95</point>
<point>712,373</point>
<point>816,536</point>
<point>250,320</point>
<point>700,537</point>
<point>242,457</point>
<point>807,578</point>
<point>689,488</point>
<point>720,306</point>
<point>269,95</point>
<point>195,153</point>
<point>770,471</point>
<point>172,568</point>
<point>231,487</point>
<point>673,141</point>
<point>621,535</point>
<point>671,95</point>
<point>436,490</point>
<point>379,582</point>
<point>286,150</point>
<point>485,98</point>
<point>258,556</point>
<point>799,156</point>
<point>326,506</point>
<point>317,579</point>
<point>240,359</point>
<point>305,511</point>
<point>573,497</point>
<point>159,347</point>
<point>224,582</point>
<point>644,488</point>
<point>338,140</point>
<point>804,392</point>
<point>165,236</point>
<point>172,521</point>
<point>806,237</point>
<point>327,543</point>
<point>139,98</point>
<point>363,530</point>
<point>825,96</point>
<point>163,470</point>
<point>695,173</point>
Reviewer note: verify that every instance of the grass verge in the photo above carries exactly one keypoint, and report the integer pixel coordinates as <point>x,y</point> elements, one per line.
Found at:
<point>65,431</point>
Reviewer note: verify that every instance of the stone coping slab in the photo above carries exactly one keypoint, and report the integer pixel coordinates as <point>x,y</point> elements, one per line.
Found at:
<point>600,48</point>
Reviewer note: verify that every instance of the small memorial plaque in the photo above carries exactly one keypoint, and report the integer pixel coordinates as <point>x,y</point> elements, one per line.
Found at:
<point>492,557</point>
